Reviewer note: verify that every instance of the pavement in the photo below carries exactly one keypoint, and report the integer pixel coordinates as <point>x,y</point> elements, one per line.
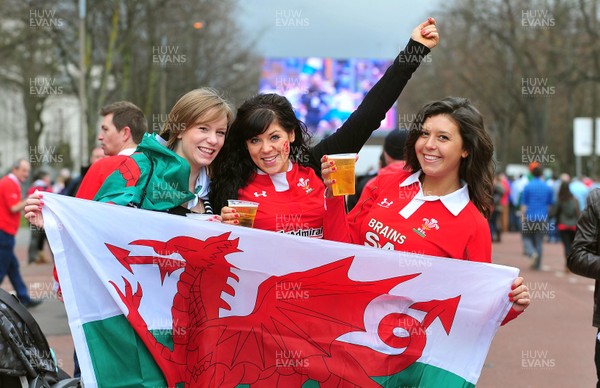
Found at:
<point>550,345</point>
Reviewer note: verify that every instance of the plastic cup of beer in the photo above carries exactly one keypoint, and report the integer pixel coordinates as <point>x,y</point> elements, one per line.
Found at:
<point>246,210</point>
<point>200,216</point>
<point>344,174</point>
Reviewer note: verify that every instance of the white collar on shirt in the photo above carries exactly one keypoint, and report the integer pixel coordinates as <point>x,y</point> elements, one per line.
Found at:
<point>14,178</point>
<point>455,202</point>
<point>127,151</point>
<point>202,188</point>
<point>280,179</point>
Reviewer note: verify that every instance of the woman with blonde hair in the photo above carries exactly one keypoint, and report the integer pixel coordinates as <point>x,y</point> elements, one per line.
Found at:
<point>168,172</point>
<point>174,167</point>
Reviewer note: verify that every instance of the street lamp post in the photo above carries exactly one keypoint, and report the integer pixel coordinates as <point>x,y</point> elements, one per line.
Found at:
<point>83,157</point>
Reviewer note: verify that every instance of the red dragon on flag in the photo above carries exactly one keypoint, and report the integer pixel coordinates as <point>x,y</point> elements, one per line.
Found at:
<point>289,337</point>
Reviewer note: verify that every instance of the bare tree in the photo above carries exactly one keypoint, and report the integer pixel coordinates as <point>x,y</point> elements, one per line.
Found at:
<point>521,61</point>
<point>154,51</point>
<point>26,52</point>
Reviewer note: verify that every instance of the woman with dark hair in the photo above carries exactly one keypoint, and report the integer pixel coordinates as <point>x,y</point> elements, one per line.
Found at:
<point>267,156</point>
<point>267,159</point>
<point>566,211</point>
<point>439,205</point>
<point>475,166</point>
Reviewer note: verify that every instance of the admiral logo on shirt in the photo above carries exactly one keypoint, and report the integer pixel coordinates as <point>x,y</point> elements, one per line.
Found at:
<point>310,232</point>
<point>379,231</point>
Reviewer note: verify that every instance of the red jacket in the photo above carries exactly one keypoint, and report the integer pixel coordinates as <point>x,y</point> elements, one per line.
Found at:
<point>10,195</point>
<point>97,174</point>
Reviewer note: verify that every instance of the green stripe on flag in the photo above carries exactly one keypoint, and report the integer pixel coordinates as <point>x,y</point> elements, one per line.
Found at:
<point>311,384</point>
<point>416,375</point>
<point>423,375</point>
<point>119,357</point>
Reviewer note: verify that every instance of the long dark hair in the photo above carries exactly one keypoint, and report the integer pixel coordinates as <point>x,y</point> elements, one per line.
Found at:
<point>233,167</point>
<point>564,192</point>
<point>477,169</point>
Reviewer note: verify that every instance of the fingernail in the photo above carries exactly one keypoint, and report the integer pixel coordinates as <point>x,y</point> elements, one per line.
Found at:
<point>331,163</point>
<point>237,216</point>
<point>512,287</point>
<point>236,222</point>
<point>511,299</point>
<point>333,169</point>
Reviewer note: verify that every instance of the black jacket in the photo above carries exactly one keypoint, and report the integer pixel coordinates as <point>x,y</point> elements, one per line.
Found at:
<point>584,259</point>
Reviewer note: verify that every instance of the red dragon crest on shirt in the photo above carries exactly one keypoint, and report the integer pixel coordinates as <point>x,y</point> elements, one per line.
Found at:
<point>286,340</point>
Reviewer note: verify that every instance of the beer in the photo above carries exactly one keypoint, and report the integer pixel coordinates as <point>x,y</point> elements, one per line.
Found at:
<point>246,210</point>
<point>344,174</point>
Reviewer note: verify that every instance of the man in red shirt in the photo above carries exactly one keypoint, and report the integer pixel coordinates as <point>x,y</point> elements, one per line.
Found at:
<point>122,129</point>
<point>11,205</point>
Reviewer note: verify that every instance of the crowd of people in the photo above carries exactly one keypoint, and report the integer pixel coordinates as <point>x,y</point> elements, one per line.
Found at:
<point>541,205</point>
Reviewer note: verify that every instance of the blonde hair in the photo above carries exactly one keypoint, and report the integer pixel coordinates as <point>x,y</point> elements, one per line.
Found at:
<point>205,104</point>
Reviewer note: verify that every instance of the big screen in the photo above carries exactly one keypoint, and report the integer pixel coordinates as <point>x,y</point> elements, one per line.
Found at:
<point>324,91</point>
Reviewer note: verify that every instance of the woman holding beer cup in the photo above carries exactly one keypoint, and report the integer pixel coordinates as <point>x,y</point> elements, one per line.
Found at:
<point>438,205</point>
<point>266,157</point>
<point>290,194</point>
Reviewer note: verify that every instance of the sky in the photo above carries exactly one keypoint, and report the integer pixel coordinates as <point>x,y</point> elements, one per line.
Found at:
<point>332,28</point>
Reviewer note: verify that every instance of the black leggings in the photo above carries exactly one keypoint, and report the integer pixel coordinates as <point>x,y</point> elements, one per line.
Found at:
<point>567,237</point>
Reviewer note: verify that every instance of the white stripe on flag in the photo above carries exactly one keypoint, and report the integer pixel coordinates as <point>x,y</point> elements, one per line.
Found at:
<point>85,266</point>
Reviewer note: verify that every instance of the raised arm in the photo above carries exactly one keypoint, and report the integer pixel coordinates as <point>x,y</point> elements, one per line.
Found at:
<point>355,132</point>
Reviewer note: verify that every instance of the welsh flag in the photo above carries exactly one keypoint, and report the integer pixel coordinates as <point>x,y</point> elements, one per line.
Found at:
<point>158,300</point>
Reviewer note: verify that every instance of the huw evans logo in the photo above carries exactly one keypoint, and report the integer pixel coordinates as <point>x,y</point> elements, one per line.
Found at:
<point>537,18</point>
<point>167,55</point>
<point>290,18</point>
<point>45,19</point>
<point>536,87</point>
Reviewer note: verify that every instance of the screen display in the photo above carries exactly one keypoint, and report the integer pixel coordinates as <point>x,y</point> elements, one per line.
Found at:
<point>324,91</point>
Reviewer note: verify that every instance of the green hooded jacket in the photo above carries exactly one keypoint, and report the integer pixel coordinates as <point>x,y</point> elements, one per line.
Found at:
<point>152,178</point>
